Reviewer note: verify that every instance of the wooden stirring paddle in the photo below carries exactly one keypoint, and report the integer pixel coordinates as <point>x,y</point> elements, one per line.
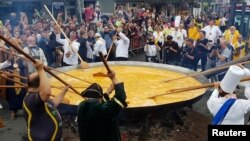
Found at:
<point>104,62</point>
<point>101,74</point>
<point>193,88</point>
<point>34,61</point>
<point>83,64</point>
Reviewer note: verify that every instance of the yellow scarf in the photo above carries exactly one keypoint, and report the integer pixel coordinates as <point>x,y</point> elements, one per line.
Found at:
<point>17,90</point>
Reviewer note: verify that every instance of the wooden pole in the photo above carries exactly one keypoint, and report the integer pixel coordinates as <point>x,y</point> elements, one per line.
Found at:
<point>104,61</point>
<point>53,69</point>
<point>110,48</point>
<point>18,76</point>
<point>70,75</point>
<point>83,63</point>
<point>193,88</point>
<point>101,74</point>
<point>20,83</point>
<point>34,61</point>
<point>12,86</point>
<point>201,73</point>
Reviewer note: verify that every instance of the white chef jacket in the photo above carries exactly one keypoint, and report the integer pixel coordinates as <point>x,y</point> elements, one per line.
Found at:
<point>212,32</point>
<point>100,45</point>
<point>73,58</point>
<point>235,115</point>
<point>122,46</point>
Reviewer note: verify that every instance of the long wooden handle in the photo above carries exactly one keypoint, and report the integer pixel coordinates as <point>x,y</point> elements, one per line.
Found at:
<point>34,61</point>
<point>11,86</point>
<point>69,75</point>
<point>193,88</point>
<point>61,88</point>
<point>18,49</point>
<point>110,48</point>
<point>46,8</point>
<point>18,76</point>
<point>104,61</point>
<point>204,72</point>
<point>50,69</point>
<point>79,87</point>
<point>20,83</point>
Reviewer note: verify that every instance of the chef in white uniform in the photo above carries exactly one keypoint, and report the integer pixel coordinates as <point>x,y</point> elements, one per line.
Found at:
<point>225,90</point>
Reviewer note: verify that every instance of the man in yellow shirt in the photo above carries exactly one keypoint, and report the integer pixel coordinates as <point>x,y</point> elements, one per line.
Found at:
<point>232,35</point>
<point>193,32</point>
<point>239,48</point>
<point>167,29</point>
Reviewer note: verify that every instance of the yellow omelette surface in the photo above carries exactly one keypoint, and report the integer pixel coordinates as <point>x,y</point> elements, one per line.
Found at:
<point>140,83</point>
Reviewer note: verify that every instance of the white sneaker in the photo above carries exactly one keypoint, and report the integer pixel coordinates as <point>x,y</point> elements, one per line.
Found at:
<point>1,107</point>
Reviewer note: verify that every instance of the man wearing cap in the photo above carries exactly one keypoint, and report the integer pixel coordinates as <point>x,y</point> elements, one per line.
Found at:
<point>100,45</point>
<point>223,103</point>
<point>97,115</point>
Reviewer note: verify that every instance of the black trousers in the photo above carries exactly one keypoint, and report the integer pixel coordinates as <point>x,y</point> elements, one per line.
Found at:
<point>121,59</point>
<point>203,57</point>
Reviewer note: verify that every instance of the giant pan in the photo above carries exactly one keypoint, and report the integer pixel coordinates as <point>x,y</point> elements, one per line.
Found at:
<point>147,105</point>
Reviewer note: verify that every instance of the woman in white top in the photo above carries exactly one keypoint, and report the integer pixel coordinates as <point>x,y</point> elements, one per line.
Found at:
<point>235,115</point>
<point>159,38</point>
<point>151,49</point>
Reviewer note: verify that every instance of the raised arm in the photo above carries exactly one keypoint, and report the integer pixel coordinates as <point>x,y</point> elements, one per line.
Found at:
<point>59,40</point>
<point>117,103</point>
<point>59,98</point>
<point>120,95</point>
<point>44,85</point>
<point>123,36</point>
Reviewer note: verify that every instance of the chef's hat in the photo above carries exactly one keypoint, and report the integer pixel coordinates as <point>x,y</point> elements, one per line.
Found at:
<point>231,79</point>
